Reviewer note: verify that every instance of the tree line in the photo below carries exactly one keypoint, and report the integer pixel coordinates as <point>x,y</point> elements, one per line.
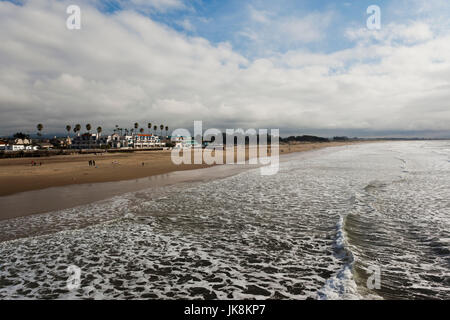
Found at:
<point>134,129</point>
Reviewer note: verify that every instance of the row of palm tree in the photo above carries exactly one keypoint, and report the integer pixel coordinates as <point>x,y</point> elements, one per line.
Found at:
<point>77,129</point>
<point>149,126</point>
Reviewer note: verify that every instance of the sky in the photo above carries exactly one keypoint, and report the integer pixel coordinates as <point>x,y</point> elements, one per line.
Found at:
<point>304,67</point>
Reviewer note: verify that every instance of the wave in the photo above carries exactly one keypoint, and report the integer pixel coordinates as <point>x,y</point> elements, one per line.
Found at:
<point>342,285</point>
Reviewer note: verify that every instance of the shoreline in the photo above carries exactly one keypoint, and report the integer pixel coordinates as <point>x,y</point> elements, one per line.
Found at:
<point>17,175</point>
<point>52,188</point>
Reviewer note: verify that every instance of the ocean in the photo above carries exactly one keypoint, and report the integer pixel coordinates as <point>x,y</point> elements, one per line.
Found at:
<point>365,221</point>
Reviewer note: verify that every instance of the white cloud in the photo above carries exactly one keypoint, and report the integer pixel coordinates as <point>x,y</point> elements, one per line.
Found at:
<point>124,67</point>
<point>186,25</point>
<point>268,31</point>
<point>409,34</point>
<point>307,29</point>
<point>258,15</point>
<point>153,5</point>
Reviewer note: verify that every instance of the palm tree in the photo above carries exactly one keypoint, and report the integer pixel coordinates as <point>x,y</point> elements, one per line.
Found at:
<point>39,127</point>
<point>99,131</point>
<point>155,128</point>
<point>141,130</point>
<point>68,128</point>
<point>77,128</point>
<point>136,125</point>
<point>149,126</point>
<point>88,127</point>
<point>167,129</point>
<point>161,127</point>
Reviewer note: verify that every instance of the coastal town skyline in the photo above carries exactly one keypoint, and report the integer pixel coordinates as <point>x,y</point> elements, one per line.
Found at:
<point>109,129</point>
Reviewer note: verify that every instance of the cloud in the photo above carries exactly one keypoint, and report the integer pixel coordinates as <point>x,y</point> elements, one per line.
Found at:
<point>146,5</point>
<point>307,29</point>
<point>186,25</point>
<point>259,16</point>
<point>411,33</point>
<point>161,5</point>
<point>124,67</point>
<point>268,31</point>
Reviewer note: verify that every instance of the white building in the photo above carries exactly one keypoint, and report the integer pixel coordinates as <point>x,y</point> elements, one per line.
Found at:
<point>16,147</point>
<point>120,142</point>
<point>24,141</point>
<point>17,144</point>
<point>142,141</point>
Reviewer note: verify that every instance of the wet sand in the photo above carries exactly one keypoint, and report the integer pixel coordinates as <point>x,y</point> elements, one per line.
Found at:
<point>68,181</point>
<point>18,175</point>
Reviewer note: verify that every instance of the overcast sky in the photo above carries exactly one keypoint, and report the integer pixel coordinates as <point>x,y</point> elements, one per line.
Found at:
<point>300,66</point>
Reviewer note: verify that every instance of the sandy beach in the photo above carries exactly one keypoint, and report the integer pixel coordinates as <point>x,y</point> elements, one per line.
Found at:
<point>18,175</point>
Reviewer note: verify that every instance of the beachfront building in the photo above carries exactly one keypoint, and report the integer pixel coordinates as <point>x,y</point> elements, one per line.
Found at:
<point>177,141</point>
<point>143,141</point>
<point>24,141</point>
<point>20,147</point>
<point>3,145</point>
<point>45,146</point>
<point>25,144</point>
<point>18,144</point>
<point>16,147</point>
<point>184,142</point>
<point>89,141</point>
<point>118,141</point>
<point>61,143</point>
